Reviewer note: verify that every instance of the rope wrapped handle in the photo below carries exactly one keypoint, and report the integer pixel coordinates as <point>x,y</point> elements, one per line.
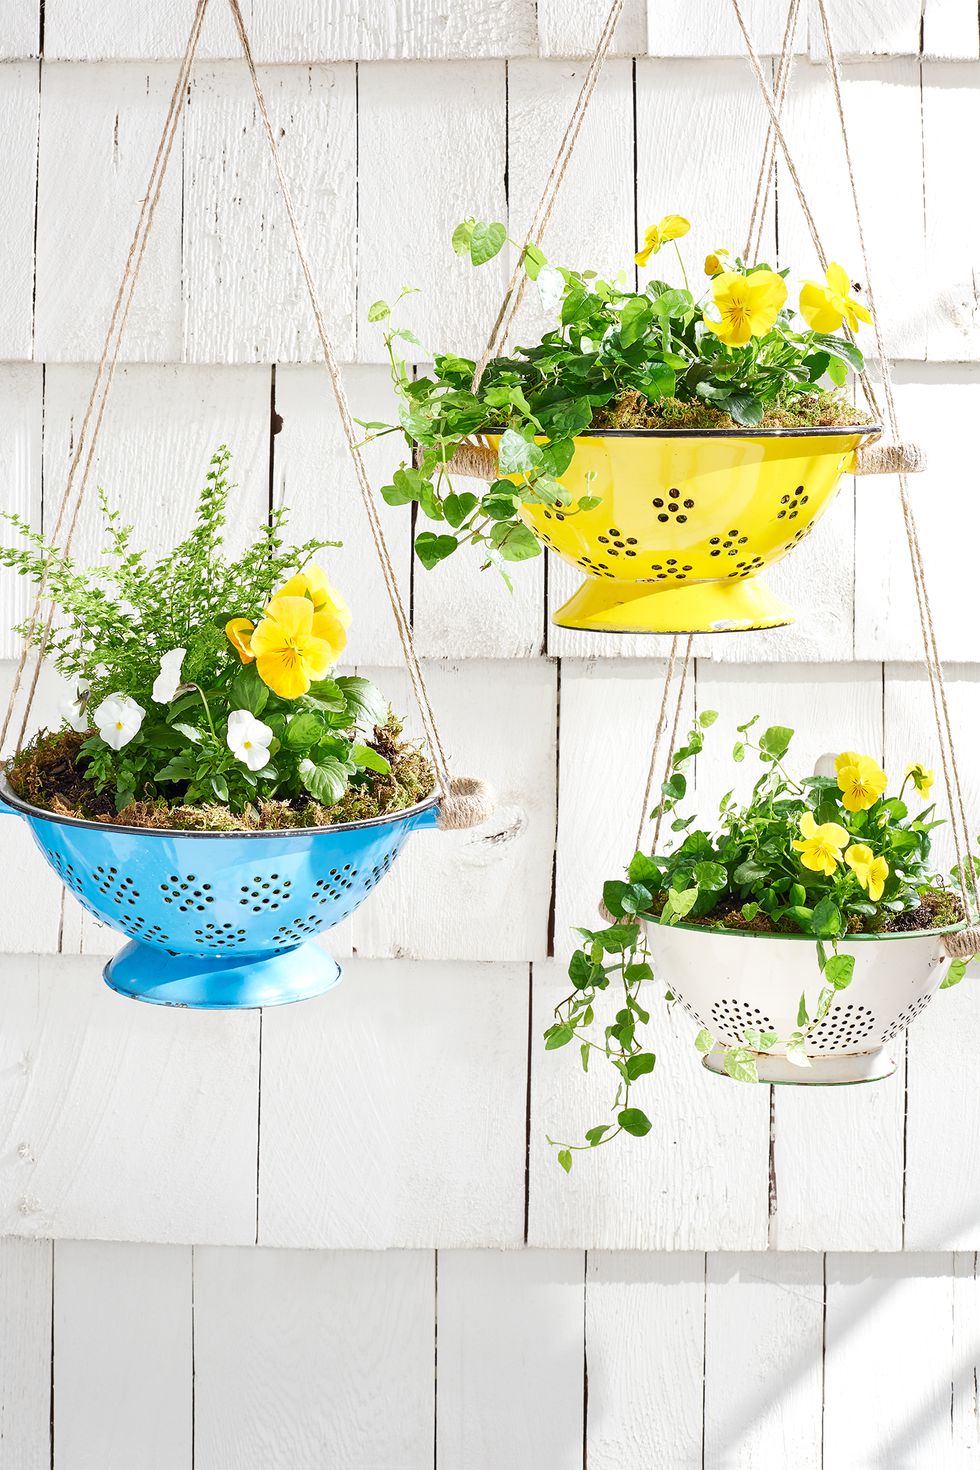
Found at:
<point>963,945</point>
<point>890,459</point>
<point>470,801</point>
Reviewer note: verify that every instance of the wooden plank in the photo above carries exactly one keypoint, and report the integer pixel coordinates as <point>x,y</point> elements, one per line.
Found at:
<point>644,1344</point>
<point>886,615</point>
<point>950,110</point>
<point>966,1355</point>
<point>25,1354</point>
<point>511,1359</point>
<point>885,1405</point>
<point>161,427</point>
<point>313,1359</point>
<point>19,105</point>
<point>881,99</point>
<point>950,30</point>
<point>313,474</point>
<point>676,29</point>
<point>123,1339</point>
<point>431,1150</point>
<point>572,28</point>
<point>763,1313</point>
<point>868,28</point>
<point>244,295</point>
<point>497,875</point>
<point>540,98</point>
<point>429,155</point>
<point>122,1121</point>
<point>608,715</point>
<point>20,29</point>
<point>99,134</point>
<point>20,476</point>
<point>315,30</point>
<point>698,1181</point>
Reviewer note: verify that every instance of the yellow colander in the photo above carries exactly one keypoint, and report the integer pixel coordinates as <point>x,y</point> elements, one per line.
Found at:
<point>686,520</point>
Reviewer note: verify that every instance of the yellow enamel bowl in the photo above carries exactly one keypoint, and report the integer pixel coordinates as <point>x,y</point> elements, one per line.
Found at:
<point>686,521</point>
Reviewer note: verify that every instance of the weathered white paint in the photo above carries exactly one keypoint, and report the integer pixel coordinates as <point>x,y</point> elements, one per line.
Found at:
<point>25,1353</point>
<point>389,1118</point>
<point>306,1358</point>
<point>19,87</point>
<point>20,485</point>
<point>136,1354</point>
<point>950,110</point>
<point>244,294</point>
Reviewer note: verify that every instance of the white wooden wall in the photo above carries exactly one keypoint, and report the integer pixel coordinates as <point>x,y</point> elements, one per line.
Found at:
<point>334,1234</point>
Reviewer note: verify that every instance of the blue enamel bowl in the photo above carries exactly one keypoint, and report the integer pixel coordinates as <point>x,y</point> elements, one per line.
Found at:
<point>220,920</point>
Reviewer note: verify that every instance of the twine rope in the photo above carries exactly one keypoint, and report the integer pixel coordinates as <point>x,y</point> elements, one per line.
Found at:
<point>514,294</point>
<point>673,733</point>
<point>930,644</point>
<point>100,386</point>
<point>767,163</point>
<point>658,736</point>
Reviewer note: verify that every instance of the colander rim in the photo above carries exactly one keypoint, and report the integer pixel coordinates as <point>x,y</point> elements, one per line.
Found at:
<point>745,432</point>
<point>809,938</point>
<point>57,819</point>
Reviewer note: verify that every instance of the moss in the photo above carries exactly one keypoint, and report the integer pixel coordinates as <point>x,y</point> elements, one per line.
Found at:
<point>938,908</point>
<point>49,774</point>
<point>809,410</point>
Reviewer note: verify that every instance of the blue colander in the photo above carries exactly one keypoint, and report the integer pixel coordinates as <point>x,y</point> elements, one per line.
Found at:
<point>220,920</point>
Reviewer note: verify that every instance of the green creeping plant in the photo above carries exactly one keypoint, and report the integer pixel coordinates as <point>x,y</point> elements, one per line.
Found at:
<point>611,346</point>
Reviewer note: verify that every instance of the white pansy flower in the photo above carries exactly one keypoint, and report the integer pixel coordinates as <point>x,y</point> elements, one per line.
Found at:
<point>551,286</point>
<point>248,739</point>
<point>74,712</point>
<point>118,719</point>
<point>167,682</point>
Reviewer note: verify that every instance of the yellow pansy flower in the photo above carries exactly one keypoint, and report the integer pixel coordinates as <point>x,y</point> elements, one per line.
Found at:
<point>313,582</point>
<point>713,263</point>
<point>821,847</point>
<point>747,306</point>
<point>922,777</point>
<point>827,307</point>
<point>239,632</point>
<point>861,780</point>
<point>293,645</point>
<point>671,227</point>
<point>870,871</point>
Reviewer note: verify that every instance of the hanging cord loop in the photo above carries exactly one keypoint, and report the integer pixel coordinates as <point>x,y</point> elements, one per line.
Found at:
<point>965,873</point>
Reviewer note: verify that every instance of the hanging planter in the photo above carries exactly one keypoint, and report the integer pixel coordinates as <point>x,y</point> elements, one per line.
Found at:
<point>218,793</point>
<point>732,983</point>
<point>801,936</point>
<point>669,442</point>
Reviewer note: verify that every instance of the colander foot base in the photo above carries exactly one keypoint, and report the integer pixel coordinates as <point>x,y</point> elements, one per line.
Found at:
<point>738,606</point>
<point>232,983</point>
<point>824,1071</point>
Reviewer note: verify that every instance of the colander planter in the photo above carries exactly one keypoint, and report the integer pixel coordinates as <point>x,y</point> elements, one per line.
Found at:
<point>686,521</point>
<point>220,920</point>
<point>727,982</point>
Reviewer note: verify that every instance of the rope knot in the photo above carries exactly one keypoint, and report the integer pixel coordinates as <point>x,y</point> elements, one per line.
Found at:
<point>963,944</point>
<point>470,801</point>
<point>890,459</point>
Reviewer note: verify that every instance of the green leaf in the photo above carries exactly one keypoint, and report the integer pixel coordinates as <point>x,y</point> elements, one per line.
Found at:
<point>364,700</point>
<point>533,259</point>
<point>710,877</point>
<point>584,1052</point>
<point>558,1035</point>
<point>639,1064</point>
<point>839,971</point>
<point>594,1135</point>
<point>740,1064</point>
<point>635,1121</point>
<point>486,241</point>
<point>681,904</point>
<point>370,759</point>
<point>796,1052</point>
<point>565,1159</point>
<point>582,971</point>
<point>707,718</point>
<point>431,549</point>
<point>704,1041</point>
<point>749,911</point>
<point>955,974</point>
<point>326,780</point>
<point>462,235</point>
<point>774,742</point>
<point>457,507</point>
<point>744,408</point>
<point>378,310</point>
<point>516,454</point>
<point>247,691</point>
<point>406,486</point>
<point>802,1019</point>
<point>303,731</point>
<point>738,754</point>
<point>514,541</point>
<point>826,921</point>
